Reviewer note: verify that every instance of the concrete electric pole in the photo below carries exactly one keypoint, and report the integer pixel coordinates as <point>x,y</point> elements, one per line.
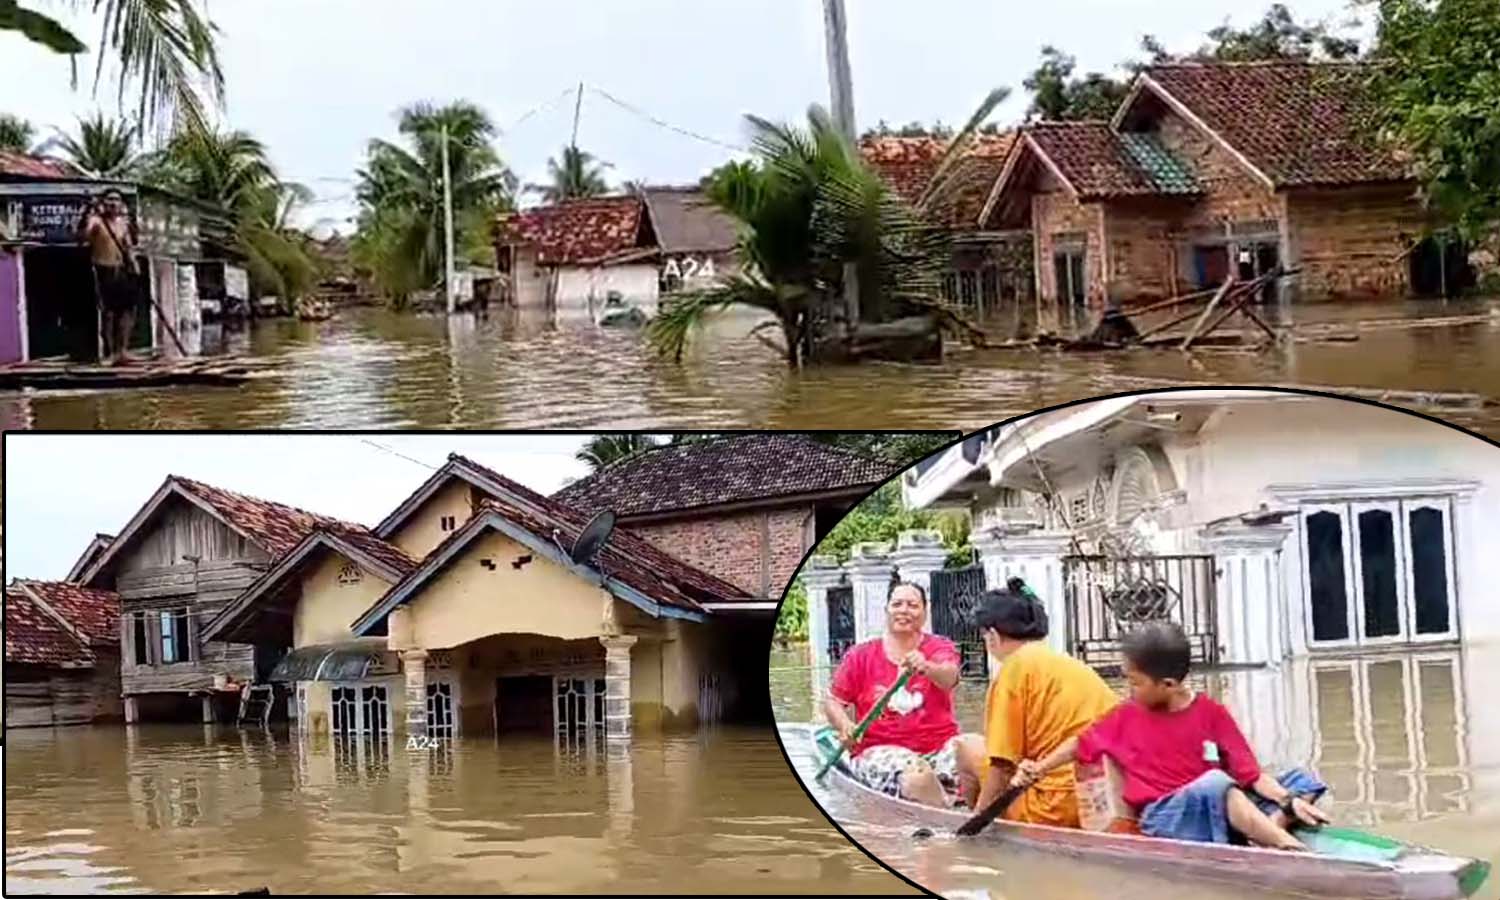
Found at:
<point>841,88</point>
<point>448,291</point>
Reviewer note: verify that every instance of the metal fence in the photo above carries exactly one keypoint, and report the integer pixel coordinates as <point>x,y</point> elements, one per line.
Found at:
<point>1109,596</point>
<point>955,599</point>
<point>840,621</point>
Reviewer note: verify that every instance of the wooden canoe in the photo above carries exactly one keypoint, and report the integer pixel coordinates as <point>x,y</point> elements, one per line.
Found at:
<point>1345,862</point>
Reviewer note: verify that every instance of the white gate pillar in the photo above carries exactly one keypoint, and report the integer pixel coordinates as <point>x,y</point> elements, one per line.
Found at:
<point>870,574</point>
<point>819,576</point>
<point>1252,615</point>
<point>918,554</point>
<point>1037,557</point>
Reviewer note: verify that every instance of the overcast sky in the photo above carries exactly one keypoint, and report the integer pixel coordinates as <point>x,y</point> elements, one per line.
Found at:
<point>316,79</point>
<point>62,489</point>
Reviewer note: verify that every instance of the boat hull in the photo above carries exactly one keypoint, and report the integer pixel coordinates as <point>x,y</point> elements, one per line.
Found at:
<point>1414,872</point>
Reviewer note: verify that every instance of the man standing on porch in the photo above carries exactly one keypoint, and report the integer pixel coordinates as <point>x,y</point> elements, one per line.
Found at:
<point>107,230</point>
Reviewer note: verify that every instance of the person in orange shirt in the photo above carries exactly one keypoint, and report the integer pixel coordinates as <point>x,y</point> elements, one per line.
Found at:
<point>1039,699</point>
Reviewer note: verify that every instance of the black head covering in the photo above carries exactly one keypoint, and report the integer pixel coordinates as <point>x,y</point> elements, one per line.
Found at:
<point>1014,612</point>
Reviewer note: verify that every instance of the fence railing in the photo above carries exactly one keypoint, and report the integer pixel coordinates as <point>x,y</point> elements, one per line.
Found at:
<point>1109,596</point>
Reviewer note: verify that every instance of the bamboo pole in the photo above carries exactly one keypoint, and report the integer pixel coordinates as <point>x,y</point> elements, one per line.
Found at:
<point>1208,311</point>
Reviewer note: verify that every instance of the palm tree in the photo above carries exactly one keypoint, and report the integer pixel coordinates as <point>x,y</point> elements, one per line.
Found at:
<point>104,148</point>
<point>400,194</point>
<point>807,206</point>
<point>166,47</point>
<point>603,449</point>
<point>15,133</point>
<point>579,174</point>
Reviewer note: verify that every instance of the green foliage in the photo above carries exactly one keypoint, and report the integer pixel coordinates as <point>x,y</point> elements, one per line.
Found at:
<point>791,618</point>
<point>1059,96</point>
<point>603,449</point>
<point>15,133</point>
<point>1439,99</point>
<point>897,447</point>
<point>103,147</point>
<point>579,174</point>
<point>38,28</point>
<point>400,192</point>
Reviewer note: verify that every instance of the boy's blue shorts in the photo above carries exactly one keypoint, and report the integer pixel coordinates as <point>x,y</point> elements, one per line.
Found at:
<point>1198,811</point>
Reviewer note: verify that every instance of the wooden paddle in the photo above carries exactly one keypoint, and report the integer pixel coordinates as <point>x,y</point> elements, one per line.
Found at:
<point>984,817</point>
<point>865,723</point>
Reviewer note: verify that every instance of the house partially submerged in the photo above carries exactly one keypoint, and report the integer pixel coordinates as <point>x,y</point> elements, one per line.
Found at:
<point>745,507</point>
<point>572,255</point>
<point>990,267</point>
<point>1214,169</point>
<point>1270,525</point>
<point>62,660</point>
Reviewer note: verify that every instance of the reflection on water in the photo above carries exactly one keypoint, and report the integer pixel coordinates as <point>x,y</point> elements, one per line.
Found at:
<point>1408,742</point>
<point>374,368</point>
<point>214,809</point>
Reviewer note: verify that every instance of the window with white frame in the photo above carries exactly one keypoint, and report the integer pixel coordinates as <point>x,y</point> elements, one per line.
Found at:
<point>1378,572</point>
<point>360,709</point>
<point>580,705</point>
<point>440,709</point>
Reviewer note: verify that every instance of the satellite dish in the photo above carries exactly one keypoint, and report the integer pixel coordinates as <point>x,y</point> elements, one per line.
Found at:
<point>593,537</point>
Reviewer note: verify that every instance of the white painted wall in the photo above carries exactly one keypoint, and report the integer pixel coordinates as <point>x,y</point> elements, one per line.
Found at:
<point>580,289</point>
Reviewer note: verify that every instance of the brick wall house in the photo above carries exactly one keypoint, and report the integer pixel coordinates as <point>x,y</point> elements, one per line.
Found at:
<point>1212,169</point>
<point>745,508</point>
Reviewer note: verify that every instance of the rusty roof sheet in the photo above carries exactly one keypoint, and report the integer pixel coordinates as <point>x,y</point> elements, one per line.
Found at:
<point>95,613</point>
<point>575,231</point>
<point>33,637</point>
<point>275,526</point>
<point>25,165</point>
<point>1299,123</point>
<point>908,164</point>
<point>731,469</point>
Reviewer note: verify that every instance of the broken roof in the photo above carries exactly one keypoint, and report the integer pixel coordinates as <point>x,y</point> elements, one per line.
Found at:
<point>36,637</point>
<point>685,221</point>
<point>572,232</point>
<point>25,165</point>
<point>1296,123</point>
<point>908,164</point>
<point>746,468</point>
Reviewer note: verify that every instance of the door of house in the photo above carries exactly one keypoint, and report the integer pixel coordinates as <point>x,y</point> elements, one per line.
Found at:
<point>10,305</point>
<point>1378,572</point>
<point>1069,269</point>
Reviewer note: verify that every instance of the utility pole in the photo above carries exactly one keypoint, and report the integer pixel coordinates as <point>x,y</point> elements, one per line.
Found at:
<point>448,293</point>
<point>841,87</point>
<point>577,110</point>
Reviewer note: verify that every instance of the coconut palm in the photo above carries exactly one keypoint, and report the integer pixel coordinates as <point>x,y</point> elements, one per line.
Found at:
<point>400,194</point>
<point>15,133</point>
<point>603,449</point>
<point>164,47</point>
<point>578,174</point>
<point>103,147</point>
<point>808,206</point>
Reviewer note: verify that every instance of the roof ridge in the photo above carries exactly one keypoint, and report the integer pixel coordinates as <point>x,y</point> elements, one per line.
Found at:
<point>1253,63</point>
<point>189,482</point>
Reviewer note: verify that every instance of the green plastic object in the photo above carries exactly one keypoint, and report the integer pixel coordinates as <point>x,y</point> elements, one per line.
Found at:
<point>865,723</point>
<point>1348,843</point>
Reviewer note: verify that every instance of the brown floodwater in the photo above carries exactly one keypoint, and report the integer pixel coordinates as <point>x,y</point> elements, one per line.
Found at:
<point>378,369</point>
<point>214,809</point>
<point>1409,744</point>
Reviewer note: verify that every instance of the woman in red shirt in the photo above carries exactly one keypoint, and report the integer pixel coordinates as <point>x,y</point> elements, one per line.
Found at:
<point>913,749</point>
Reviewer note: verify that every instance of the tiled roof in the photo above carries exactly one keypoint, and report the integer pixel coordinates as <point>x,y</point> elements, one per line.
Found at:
<point>24,165</point>
<point>1299,123</point>
<point>626,555</point>
<point>275,526</point>
<point>733,469</point>
<point>1100,162</point>
<point>389,554</point>
<point>908,163</point>
<point>33,637</point>
<point>686,222</point>
<point>94,613</point>
<point>575,231</point>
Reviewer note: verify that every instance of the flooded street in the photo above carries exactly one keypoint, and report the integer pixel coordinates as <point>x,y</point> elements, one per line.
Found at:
<point>379,369</point>
<point>1409,744</point>
<point>206,810</point>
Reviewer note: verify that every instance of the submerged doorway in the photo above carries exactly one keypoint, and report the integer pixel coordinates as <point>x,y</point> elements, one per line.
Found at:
<point>523,704</point>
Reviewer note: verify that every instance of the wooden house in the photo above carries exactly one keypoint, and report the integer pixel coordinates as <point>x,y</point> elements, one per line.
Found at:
<point>62,661</point>
<point>189,551</point>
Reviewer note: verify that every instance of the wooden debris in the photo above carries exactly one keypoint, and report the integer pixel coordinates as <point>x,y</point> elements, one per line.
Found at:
<point>54,374</point>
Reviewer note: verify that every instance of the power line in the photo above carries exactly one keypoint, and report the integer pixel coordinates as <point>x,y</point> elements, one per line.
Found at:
<point>667,125</point>
<point>392,452</point>
<point>539,107</point>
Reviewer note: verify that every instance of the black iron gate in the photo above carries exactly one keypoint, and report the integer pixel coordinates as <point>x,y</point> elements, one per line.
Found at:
<point>1108,596</point>
<point>956,596</point>
<point>840,621</point>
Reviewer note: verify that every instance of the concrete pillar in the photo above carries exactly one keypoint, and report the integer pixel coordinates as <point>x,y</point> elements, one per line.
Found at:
<point>414,665</point>
<point>1037,557</point>
<point>870,571</point>
<point>1252,611</point>
<point>617,686</point>
<point>208,708</point>
<point>132,711</point>
<point>819,575</point>
<point>918,554</point>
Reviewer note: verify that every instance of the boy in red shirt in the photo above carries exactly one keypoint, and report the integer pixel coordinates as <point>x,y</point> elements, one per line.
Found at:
<point>1187,767</point>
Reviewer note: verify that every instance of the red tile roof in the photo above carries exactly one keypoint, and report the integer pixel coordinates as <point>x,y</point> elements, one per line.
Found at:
<point>24,165</point>
<point>744,468</point>
<point>382,552</point>
<point>575,231</point>
<point>1097,161</point>
<point>274,526</point>
<point>34,637</point>
<point>1299,123</point>
<point>95,613</point>
<point>908,163</point>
